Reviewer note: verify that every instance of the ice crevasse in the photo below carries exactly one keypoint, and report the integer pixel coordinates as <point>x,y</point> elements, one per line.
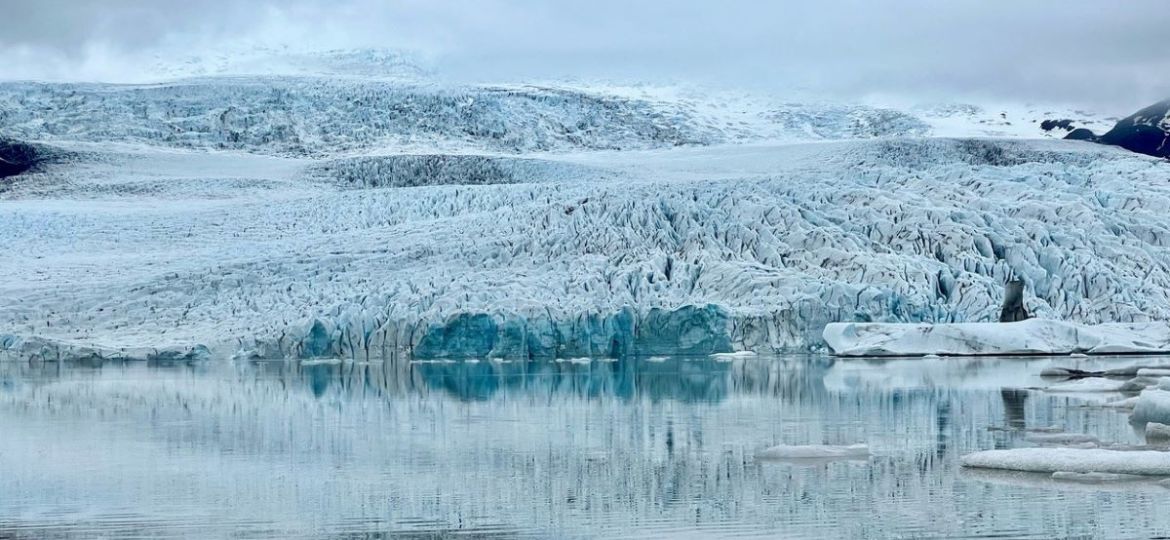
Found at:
<point>621,243</point>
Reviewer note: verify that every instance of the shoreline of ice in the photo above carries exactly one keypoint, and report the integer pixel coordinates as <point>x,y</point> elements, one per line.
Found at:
<point>1030,337</point>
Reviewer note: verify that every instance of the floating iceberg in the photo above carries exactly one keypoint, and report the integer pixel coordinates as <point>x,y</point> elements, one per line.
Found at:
<point>1034,336</point>
<point>1127,403</point>
<point>1153,405</point>
<point>1071,460</point>
<point>814,452</point>
<point>1091,384</point>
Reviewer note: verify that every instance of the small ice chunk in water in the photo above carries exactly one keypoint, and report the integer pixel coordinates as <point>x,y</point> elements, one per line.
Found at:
<point>734,355</point>
<point>1137,384</point>
<point>1153,405</point>
<point>1156,431</point>
<point>1050,460</point>
<point>1091,384</point>
<point>814,451</point>
<point>1127,403</point>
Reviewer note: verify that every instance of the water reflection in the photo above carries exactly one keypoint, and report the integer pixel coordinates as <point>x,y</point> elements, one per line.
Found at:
<point>637,447</point>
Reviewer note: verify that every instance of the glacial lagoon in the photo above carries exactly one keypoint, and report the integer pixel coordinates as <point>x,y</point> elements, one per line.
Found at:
<point>661,447</point>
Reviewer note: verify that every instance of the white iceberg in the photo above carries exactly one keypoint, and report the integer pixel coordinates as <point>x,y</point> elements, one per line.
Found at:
<point>1090,384</point>
<point>1073,460</point>
<point>1033,336</point>
<point>1126,403</point>
<point>814,452</point>
<point>1153,405</point>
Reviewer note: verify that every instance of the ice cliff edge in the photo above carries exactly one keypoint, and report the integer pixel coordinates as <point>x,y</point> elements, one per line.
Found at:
<point>1033,336</point>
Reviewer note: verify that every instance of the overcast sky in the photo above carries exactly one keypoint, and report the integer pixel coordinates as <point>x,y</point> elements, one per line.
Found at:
<point>1111,54</point>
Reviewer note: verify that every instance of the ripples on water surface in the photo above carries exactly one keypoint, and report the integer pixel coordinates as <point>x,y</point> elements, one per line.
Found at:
<point>635,448</point>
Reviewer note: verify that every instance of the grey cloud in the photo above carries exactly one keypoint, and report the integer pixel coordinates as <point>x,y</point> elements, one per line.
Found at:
<point>1075,50</point>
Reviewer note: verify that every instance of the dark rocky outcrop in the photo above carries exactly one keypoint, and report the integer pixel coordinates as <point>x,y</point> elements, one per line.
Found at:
<point>1081,134</point>
<point>1064,123</point>
<point>16,158</point>
<point>1145,132</point>
<point>1013,303</point>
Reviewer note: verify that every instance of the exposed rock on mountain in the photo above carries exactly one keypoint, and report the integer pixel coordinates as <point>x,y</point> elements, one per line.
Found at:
<point>1145,132</point>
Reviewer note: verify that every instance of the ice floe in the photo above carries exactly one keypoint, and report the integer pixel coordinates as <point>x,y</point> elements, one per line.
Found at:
<point>1091,384</point>
<point>1050,460</point>
<point>814,452</point>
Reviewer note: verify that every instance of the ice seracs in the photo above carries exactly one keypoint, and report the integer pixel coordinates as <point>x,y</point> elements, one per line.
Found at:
<point>308,217</point>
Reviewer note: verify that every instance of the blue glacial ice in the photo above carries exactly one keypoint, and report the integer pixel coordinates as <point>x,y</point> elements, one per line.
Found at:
<point>270,218</point>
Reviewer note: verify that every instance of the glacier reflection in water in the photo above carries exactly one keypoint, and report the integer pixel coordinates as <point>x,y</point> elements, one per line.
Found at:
<point>655,447</point>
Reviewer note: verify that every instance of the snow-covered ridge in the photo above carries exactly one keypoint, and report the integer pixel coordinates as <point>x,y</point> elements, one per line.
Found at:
<point>330,116</point>
<point>320,116</point>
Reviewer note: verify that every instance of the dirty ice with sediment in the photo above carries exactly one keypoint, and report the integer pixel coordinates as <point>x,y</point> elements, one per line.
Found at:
<point>363,212</point>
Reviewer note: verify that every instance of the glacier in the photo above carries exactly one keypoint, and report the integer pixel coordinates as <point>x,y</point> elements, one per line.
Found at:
<point>302,217</point>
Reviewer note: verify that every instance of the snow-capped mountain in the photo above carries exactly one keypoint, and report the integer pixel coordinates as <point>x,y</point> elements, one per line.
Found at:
<point>296,216</point>
<point>1145,132</point>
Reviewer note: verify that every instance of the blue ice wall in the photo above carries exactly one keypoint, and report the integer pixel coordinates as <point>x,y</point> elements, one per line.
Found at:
<point>688,330</point>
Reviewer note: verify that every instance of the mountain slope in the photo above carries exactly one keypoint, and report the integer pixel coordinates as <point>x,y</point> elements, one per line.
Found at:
<point>1145,132</point>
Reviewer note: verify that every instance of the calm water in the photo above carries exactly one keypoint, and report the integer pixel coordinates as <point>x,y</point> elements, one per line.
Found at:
<point>639,448</point>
